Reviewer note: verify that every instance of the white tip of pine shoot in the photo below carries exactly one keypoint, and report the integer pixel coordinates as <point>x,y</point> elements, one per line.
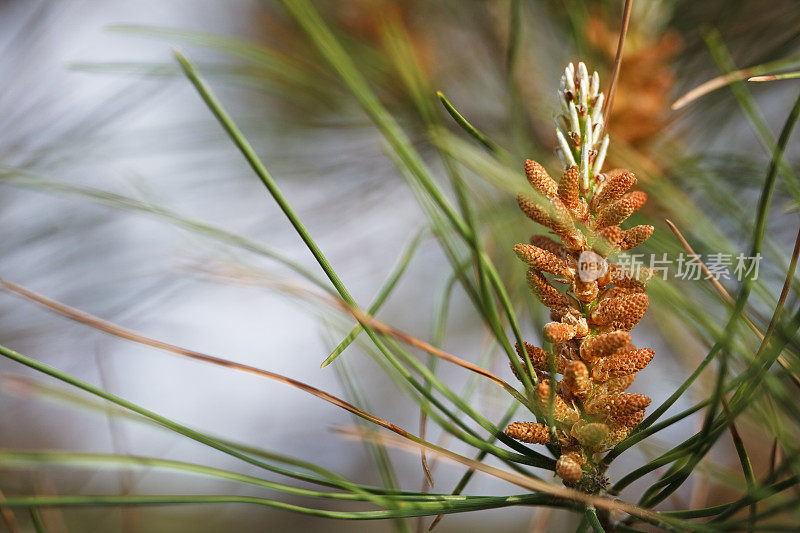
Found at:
<point>575,124</point>
<point>560,155</point>
<point>589,140</point>
<point>562,99</point>
<point>597,112</point>
<point>561,122</point>
<point>601,156</point>
<point>584,91</point>
<point>582,72</point>
<point>564,145</point>
<point>585,149</point>
<point>595,84</point>
<point>597,127</point>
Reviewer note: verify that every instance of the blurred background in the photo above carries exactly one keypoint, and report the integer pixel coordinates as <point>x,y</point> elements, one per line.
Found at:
<point>118,183</point>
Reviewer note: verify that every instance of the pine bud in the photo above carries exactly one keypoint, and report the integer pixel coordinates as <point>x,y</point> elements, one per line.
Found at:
<point>592,317</point>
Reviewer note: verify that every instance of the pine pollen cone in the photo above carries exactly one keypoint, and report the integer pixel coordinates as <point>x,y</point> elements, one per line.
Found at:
<point>562,412</point>
<point>614,385</point>
<point>620,210</point>
<point>617,405</point>
<point>576,379</point>
<point>540,179</point>
<point>558,332</point>
<point>609,240</point>
<point>540,359</point>
<point>546,293</point>
<point>630,421</point>
<point>635,236</point>
<point>625,279</point>
<point>612,189</point>
<point>548,244</point>
<point>540,259</point>
<point>585,291</point>
<point>569,188</point>
<point>622,312</point>
<point>604,345</point>
<point>568,469</point>
<point>591,435</point>
<point>569,194</point>
<point>530,432</point>
<point>622,364</point>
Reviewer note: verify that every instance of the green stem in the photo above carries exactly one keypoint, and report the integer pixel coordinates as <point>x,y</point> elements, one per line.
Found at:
<point>383,294</point>
<point>12,457</point>
<point>470,129</point>
<point>197,436</point>
<point>409,510</point>
<point>258,167</point>
<point>594,521</point>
